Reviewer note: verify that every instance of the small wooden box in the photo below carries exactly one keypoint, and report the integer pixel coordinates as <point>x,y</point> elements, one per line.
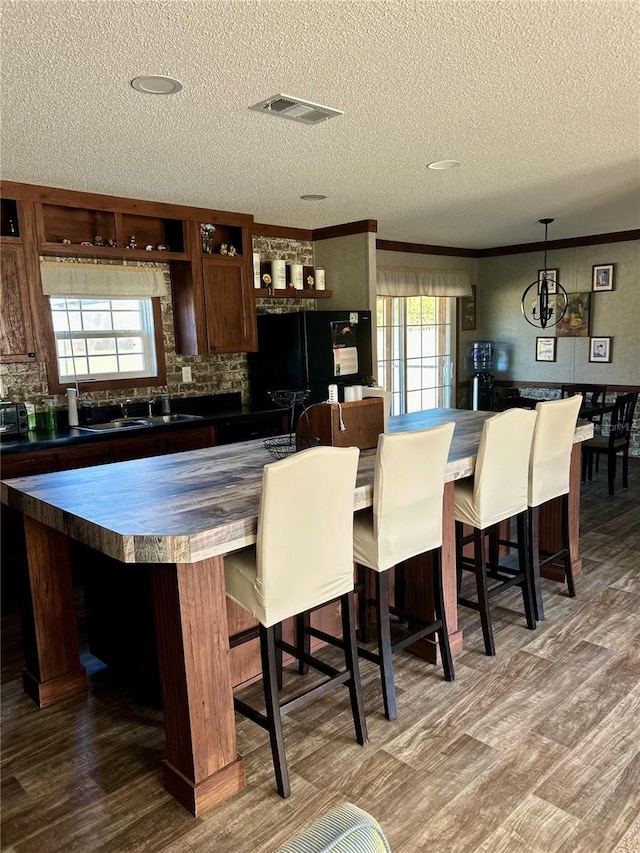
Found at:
<point>363,422</point>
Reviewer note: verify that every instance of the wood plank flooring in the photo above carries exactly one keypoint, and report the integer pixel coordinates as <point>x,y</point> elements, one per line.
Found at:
<point>536,750</point>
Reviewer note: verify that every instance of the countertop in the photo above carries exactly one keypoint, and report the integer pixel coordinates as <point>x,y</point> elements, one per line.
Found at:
<point>214,410</point>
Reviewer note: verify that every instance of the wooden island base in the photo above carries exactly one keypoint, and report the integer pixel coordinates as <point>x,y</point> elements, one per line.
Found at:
<point>199,797</point>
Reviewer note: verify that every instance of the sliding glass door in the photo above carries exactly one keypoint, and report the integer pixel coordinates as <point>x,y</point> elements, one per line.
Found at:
<point>415,351</point>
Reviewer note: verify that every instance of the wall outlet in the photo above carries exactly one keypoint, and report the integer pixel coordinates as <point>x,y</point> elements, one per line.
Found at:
<point>186,374</point>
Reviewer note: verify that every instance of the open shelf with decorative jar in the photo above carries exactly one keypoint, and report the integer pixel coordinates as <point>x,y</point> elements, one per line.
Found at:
<point>91,232</point>
<point>9,225</point>
<point>308,290</point>
<point>221,239</point>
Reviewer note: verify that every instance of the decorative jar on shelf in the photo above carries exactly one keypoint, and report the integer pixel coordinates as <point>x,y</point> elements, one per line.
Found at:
<point>207,230</point>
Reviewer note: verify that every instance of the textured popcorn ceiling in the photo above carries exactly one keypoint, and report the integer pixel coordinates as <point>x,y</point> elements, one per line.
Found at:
<point>538,100</point>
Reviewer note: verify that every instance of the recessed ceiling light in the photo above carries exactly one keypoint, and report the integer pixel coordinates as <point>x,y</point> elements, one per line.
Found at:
<point>156,85</point>
<point>443,164</point>
<point>312,197</point>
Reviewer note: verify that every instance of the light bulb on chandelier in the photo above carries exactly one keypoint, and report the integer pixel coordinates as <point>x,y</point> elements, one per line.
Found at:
<point>547,298</point>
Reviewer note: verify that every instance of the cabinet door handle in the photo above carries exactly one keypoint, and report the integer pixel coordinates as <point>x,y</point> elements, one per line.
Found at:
<point>31,354</point>
<point>212,348</point>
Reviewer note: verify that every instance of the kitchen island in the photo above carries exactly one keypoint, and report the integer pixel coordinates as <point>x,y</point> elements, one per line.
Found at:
<point>179,515</point>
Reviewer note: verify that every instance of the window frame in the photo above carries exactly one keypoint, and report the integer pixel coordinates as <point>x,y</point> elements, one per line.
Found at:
<point>56,386</point>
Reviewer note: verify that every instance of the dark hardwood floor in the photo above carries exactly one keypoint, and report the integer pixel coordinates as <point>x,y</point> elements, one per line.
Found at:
<point>535,751</point>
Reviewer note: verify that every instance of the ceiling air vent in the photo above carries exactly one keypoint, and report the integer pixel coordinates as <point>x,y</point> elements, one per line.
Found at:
<point>288,106</point>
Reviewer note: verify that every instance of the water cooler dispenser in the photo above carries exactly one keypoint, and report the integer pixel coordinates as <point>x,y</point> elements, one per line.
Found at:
<point>482,356</point>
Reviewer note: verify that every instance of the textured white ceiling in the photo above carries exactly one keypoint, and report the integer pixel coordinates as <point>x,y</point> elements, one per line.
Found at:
<point>538,99</point>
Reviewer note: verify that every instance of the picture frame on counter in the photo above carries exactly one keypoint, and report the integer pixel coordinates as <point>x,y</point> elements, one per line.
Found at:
<point>600,350</point>
<point>602,277</point>
<point>552,279</point>
<point>546,349</point>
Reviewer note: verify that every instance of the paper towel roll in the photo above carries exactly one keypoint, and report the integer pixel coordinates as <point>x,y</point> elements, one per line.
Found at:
<point>278,275</point>
<point>350,394</point>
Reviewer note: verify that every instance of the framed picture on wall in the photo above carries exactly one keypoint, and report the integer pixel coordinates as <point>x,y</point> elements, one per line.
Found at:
<point>575,323</point>
<point>602,277</point>
<point>552,279</point>
<point>600,349</point>
<point>468,313</point>
<point>545,349</point>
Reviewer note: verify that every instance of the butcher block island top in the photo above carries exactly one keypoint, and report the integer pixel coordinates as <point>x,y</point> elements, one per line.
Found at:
<point>186,507</point>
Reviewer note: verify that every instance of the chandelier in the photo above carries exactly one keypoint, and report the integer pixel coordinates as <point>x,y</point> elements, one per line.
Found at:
<point>544,301</point>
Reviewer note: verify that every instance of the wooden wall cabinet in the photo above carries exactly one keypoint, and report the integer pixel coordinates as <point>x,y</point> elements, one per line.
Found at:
<point>229,307</point>
<point>16,328</point>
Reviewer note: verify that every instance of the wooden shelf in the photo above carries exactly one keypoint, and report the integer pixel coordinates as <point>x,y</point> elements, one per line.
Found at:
<point>114,252</point>
<point>290,293</point>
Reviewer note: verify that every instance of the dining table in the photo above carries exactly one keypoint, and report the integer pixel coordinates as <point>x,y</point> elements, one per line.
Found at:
<point>178,515</point>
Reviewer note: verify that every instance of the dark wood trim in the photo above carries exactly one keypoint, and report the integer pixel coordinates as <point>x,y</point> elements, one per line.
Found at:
<point>291,293</point>
<point>508,383</point>
<point>569,243</point>
<point>424,249</point>
<point>260,229</point>
<point>164,210</point>
<point>364,226</point>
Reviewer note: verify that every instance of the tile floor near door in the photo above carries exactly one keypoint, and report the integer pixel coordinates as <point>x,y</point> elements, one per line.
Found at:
<point>534,751</point>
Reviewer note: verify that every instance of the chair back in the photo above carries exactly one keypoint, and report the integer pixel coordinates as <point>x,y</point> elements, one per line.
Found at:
<point>551,449</point>
<point>622,418</point>
<point>407,492</point>
<point>304,550</point>
<point>502,465</point>
<point>386,401</point>
<point>593,395</point>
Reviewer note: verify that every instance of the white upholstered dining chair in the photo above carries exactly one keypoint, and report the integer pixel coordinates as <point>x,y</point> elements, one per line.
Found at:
<point>497,492</point>
<point>303,558</point>
<point>405,521</point>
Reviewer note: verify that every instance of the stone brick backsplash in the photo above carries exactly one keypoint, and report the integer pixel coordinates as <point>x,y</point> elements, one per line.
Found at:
<point>211,374</point>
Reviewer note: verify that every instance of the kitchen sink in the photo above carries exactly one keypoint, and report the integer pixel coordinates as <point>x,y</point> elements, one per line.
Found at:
<point>137,423</point>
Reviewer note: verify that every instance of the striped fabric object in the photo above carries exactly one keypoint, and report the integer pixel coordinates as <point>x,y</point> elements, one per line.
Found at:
<point>344,829</point>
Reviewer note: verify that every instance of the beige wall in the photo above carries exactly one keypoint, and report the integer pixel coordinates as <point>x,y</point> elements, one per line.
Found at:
<point>501,282</point>
<point>350,270</point>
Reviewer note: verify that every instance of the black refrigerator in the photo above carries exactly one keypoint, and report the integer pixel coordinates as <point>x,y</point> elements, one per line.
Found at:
<point>310,350</point>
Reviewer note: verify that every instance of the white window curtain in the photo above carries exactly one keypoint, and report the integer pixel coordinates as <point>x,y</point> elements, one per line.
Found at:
<point>60,278</point>
<point>408,281</point>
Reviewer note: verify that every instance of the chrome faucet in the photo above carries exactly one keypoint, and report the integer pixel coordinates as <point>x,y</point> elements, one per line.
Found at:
<point>125,408</point>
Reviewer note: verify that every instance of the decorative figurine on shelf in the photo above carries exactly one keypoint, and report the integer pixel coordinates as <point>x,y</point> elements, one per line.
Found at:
<point>111,243</point>
<point>162,247</point>
<point>310,281</point>
<point>224,249</point>
<point>86,243</point>
<point>149,248</point>
<point>266,278</point>
<point>132,244</point>
<point>98,241</point>
<point>207,230</point>
<point>233,252</point>
<point>66,241</point>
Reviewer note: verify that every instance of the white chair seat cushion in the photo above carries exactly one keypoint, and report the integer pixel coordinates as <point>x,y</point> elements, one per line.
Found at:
<point>240,575</point>
<point>365,547</point>
<point>465,509</point>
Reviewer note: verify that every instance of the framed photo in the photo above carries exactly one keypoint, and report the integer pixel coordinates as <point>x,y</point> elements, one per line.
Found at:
<point>602,277</point>
<point>468,317</point>
<point>575,323</point>
<point>552,279</point>
<point>600,349</point>
<point>545,349</point>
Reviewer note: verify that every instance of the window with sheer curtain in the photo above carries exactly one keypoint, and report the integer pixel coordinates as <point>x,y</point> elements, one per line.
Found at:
<point>416,342</point>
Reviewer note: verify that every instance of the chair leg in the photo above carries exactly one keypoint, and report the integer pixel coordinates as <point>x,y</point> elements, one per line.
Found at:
<point>534,560</point>
<point>384,646</point>
<point>458,556</point>
<point>303,640</point>
<point>351,664</point>
<point>363,615</point>
<point>438,605</point>
<point>625,467</point>
<point>611,472</point>
<point>483,592</point>
<point>278,640</point>
<point>568,568</point>
<point>523,566</point>
<point>272,708</point>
